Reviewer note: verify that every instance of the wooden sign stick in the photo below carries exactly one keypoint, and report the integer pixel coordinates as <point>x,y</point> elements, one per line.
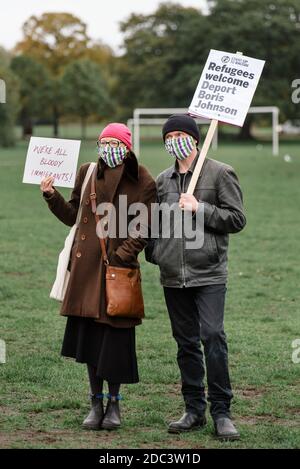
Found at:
<point>203,153</point>
<point>202,156</point>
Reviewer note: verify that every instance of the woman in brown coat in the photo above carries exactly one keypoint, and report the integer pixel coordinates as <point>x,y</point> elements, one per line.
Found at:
<point>106,344</point>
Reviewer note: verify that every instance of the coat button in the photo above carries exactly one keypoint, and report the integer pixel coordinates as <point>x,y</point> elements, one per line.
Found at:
<point>78,254</point>
<point>87,201</point>
<point>83,237</point>
<point>85,219</point>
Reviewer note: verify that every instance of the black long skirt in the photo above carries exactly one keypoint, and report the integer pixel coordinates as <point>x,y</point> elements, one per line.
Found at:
<point>109,349</point>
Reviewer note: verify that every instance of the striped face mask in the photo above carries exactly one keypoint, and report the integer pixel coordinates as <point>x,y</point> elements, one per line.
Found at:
<point>180,147</point>
<point>112,156</point>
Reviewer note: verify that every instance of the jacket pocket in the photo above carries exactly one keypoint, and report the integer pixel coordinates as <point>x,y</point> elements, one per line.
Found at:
<point>201,259</point>
<point>168,257</point>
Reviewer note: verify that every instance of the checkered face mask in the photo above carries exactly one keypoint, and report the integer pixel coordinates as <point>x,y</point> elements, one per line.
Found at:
<point>180,147</point>
<point>112,156</point>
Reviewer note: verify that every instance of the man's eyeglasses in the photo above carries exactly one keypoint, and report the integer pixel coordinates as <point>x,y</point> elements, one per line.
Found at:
<point>111,143</point>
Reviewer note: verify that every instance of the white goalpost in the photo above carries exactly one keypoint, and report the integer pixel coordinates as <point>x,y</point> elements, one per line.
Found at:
<point>135,123</point>
<point>274,110</point>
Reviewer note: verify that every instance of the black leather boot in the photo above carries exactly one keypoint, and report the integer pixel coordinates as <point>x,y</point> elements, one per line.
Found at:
<point>95,417</point>
<point>225,430</point>
<point>187,423</point>
<point>112,417</point>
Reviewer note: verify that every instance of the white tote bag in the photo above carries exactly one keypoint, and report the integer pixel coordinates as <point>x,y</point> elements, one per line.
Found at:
<point>62,274</point>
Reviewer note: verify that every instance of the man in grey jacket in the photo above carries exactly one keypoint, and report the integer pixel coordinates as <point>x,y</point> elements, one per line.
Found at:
<point>194,280</point>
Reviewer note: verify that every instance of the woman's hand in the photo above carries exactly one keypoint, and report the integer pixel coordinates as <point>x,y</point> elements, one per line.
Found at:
<point>46,185</point>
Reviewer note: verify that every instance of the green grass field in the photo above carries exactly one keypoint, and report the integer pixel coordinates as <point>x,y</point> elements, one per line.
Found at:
<point>44,397</point>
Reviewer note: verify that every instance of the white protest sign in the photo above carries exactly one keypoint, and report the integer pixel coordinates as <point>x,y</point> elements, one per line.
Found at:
<point>230,79</point>
<point>226,87</point>
<point>52,157</point>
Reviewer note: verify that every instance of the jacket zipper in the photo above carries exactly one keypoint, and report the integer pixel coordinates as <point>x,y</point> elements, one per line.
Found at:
<point>183,239</point>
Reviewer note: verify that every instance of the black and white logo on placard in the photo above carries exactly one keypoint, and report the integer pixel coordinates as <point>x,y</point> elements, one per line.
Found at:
<point>225,59</point>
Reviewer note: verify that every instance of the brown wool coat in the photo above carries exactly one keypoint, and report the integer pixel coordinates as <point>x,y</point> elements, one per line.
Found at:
<point>85,294</point>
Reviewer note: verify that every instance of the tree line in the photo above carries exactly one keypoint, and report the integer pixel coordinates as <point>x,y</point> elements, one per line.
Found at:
<point>57,71</point>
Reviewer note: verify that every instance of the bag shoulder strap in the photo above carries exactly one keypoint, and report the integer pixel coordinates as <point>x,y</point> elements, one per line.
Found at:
<point>84,184</point>
<point>93,197</point>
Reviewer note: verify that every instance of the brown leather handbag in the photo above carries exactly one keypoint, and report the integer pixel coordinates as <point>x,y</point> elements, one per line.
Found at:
<point>123,285</point>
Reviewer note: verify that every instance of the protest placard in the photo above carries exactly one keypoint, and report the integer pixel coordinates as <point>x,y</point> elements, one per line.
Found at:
<point>224,93</point>
<point>226,87</point>
<point>52,157</point>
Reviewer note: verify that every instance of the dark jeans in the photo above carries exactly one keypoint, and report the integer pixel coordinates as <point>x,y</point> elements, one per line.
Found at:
<point>197,314</point>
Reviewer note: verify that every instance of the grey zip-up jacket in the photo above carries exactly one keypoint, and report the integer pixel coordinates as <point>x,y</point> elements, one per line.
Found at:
<point>219,190</point>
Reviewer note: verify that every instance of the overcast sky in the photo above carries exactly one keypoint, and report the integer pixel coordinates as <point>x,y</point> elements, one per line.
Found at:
<point>101,17</point>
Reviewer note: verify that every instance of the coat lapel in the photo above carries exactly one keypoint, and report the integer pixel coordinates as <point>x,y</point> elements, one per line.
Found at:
<point>108,182</point>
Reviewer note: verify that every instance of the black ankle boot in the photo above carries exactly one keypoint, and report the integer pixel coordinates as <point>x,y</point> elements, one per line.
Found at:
<point>187,423</point>
<point>112,417</point>
<point>95,417</point>
<point>224,429</point>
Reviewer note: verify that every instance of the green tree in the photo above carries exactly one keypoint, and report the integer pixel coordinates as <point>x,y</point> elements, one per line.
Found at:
<point>35,90</point>
<point>54,40</point>
<point>164,52</point>
<point>84,91</point>
<point>162,59</point>
<point>5,57</point>
<point>265,29</point>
